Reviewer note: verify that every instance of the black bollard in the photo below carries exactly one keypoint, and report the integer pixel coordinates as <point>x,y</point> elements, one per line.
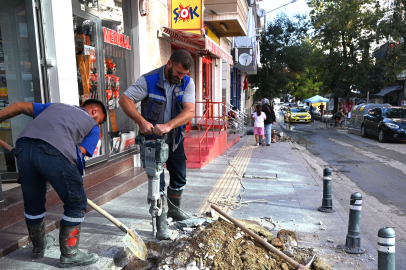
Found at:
<point>327,203</point>
<point>353,241</point>
<point>386,249</point>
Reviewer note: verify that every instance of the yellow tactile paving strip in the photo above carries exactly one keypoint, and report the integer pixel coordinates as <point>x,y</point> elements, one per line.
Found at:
<point>229,183</point>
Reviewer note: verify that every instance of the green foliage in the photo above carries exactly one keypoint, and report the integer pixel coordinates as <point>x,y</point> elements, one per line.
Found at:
<point>281,57</point>
<point>345,29</point>
<point>393,28</point>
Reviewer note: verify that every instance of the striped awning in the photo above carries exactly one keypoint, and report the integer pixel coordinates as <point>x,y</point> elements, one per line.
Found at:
<point>199,42</point>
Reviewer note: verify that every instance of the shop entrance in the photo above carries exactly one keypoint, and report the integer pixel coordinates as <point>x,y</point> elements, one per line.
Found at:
<point>207,82</point>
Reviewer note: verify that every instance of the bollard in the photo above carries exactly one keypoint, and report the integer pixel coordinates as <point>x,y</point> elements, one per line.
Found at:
<point>327,203</point>
<point>386,249</point>
<point>353,241</point>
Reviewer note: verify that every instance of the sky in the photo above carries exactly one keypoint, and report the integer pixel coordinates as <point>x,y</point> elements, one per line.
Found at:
<point>299,6</point>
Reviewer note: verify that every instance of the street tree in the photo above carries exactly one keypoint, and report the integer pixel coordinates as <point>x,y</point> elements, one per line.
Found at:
<point>345,29</point>
<point>281,56</point>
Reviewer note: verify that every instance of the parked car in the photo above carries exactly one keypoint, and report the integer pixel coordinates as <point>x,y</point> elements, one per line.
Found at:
<point>385,123</point>
<point>295,115</point>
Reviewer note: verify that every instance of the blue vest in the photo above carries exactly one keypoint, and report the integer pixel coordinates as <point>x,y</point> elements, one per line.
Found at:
<point>153,106</point>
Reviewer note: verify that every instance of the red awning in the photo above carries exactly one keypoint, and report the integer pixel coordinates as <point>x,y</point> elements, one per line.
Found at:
<point>198,42</point>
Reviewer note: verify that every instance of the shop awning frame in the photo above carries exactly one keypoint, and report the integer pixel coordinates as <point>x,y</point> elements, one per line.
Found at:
<point>387,90</point>
<point>202,43</point>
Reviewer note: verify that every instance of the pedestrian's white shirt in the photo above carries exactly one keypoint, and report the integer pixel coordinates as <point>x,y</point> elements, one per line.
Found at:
<point>259,120</point>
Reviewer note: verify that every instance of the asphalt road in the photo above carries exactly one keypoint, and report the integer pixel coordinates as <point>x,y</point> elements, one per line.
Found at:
<point>377,170</point>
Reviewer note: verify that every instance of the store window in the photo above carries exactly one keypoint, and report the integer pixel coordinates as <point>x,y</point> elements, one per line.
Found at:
<point>86,48</point>
<point>16,75</point>
<point>117,48</point>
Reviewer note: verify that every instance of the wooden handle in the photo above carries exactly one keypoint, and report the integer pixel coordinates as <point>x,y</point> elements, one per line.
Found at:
<point>104,213</point>
<point>6,145</point>
<point>258,238</point>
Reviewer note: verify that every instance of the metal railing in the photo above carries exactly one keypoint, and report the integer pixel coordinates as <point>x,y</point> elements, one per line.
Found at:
<point>209,118</point>
<point>239,122</point>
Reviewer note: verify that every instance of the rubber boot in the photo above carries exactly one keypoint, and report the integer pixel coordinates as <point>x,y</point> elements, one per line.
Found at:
<point>70,254</point>
<point>174,201</point>
<point>40,241</point>
<point>162,231</point>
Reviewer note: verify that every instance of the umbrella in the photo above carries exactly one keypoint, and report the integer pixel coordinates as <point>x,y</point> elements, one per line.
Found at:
<point>316,99</point>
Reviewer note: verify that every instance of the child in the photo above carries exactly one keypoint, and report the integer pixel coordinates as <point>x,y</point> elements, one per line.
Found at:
<point>259,118</point>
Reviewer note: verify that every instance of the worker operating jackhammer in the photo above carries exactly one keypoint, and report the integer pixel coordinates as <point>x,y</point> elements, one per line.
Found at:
<point>167,98</point>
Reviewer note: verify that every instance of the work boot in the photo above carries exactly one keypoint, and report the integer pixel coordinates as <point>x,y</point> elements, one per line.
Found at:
<point>70,254</point>
<point>162,231</point>
<point>40,241</point>
<point>174,200</point>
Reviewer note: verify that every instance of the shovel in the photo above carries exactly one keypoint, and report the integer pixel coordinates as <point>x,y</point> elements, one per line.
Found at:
<point>132,239</point>
<point>289,260</point>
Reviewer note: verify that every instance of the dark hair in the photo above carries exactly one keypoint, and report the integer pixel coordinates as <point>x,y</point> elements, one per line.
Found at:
<point>183,57</point>
<point>99,104</point>
<point>259,110</point>
<point>234,108</point>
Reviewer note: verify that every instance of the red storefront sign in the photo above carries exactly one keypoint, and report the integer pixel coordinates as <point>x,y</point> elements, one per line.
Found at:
<point>117,39</point>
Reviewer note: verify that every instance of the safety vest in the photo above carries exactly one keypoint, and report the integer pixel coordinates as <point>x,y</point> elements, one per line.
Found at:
<point>153,106</point>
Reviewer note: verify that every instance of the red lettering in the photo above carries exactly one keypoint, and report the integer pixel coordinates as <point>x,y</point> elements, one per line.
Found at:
<point>115,38</point>
<point>128,43</point>
<point>124,42</point>
<point>121,40</point>
<point>111,36</point>
<point>106,34</point>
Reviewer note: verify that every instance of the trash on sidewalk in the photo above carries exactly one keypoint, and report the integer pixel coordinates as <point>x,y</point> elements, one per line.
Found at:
<point>222,245</point>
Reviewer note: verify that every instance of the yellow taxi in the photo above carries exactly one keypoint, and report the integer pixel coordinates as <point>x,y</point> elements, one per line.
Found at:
<point>296,115</point>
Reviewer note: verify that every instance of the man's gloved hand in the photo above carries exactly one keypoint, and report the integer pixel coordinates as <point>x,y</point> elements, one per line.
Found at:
<point>146,128</point>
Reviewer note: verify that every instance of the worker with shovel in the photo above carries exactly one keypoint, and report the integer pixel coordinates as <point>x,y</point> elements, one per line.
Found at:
<point>167,98</point>
<point>52,148</point>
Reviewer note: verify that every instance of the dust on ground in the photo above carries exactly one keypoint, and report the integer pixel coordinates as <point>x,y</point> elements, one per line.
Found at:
<point>222,245</point>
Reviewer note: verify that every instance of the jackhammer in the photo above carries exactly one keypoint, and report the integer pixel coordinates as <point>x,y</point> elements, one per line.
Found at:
<point>154,154</point>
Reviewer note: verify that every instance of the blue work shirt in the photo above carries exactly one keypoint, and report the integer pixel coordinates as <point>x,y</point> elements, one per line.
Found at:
<point>89,142</point>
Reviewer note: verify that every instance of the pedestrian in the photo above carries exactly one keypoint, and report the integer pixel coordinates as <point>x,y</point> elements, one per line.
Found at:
<point>167,98</point>
<point>259,116</point>
<point>311,112</point>
<point>321,107</point>
<point>52,148</point>
<point>270,120</point>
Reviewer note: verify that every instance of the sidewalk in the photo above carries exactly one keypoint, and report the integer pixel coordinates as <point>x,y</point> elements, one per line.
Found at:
<point>279,174</point>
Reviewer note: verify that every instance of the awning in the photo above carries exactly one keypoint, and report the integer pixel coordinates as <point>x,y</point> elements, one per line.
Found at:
<point>387,90</point>
<point>198,42</point>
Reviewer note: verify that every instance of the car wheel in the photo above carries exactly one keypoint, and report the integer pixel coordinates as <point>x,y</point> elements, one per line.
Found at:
<point>381,137</point>
<point>363,132</point>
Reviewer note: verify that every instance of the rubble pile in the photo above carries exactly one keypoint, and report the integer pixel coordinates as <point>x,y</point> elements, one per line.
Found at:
<point>221,245</point>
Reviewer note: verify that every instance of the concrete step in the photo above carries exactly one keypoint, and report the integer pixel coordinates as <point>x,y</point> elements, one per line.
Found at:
<point>16,235</point>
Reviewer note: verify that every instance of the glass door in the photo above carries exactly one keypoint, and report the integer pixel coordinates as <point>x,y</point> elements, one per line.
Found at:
<point>88,47</point>
<point>19,74</point>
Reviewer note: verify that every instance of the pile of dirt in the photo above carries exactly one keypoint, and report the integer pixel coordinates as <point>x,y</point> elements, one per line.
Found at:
<point>222,245</point>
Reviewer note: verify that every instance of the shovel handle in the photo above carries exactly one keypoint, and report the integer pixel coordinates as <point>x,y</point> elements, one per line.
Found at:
<point>295,264</point>
<point>108,216</point>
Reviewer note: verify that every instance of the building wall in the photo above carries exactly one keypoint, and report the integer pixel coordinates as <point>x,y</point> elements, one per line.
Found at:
<point>158,50</point>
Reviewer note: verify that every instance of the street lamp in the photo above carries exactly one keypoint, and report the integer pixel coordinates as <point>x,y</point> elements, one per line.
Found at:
<point>282,6</point>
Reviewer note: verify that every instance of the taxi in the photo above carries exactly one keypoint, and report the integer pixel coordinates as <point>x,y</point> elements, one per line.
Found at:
<point>296,115</point>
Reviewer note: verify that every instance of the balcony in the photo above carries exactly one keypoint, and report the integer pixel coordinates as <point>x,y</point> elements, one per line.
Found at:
<point>227,18</point>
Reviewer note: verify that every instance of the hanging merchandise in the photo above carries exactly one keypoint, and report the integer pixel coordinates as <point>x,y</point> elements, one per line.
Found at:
<point>112,85</point>
<point>246,82</point>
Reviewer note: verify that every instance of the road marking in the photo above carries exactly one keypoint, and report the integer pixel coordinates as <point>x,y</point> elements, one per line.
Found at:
<point>387,161</point>
<point>400,148</point>
<point>229,183</point>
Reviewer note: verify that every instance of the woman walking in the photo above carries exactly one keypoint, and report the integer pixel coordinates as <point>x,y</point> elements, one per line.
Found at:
<point>259,117</point>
